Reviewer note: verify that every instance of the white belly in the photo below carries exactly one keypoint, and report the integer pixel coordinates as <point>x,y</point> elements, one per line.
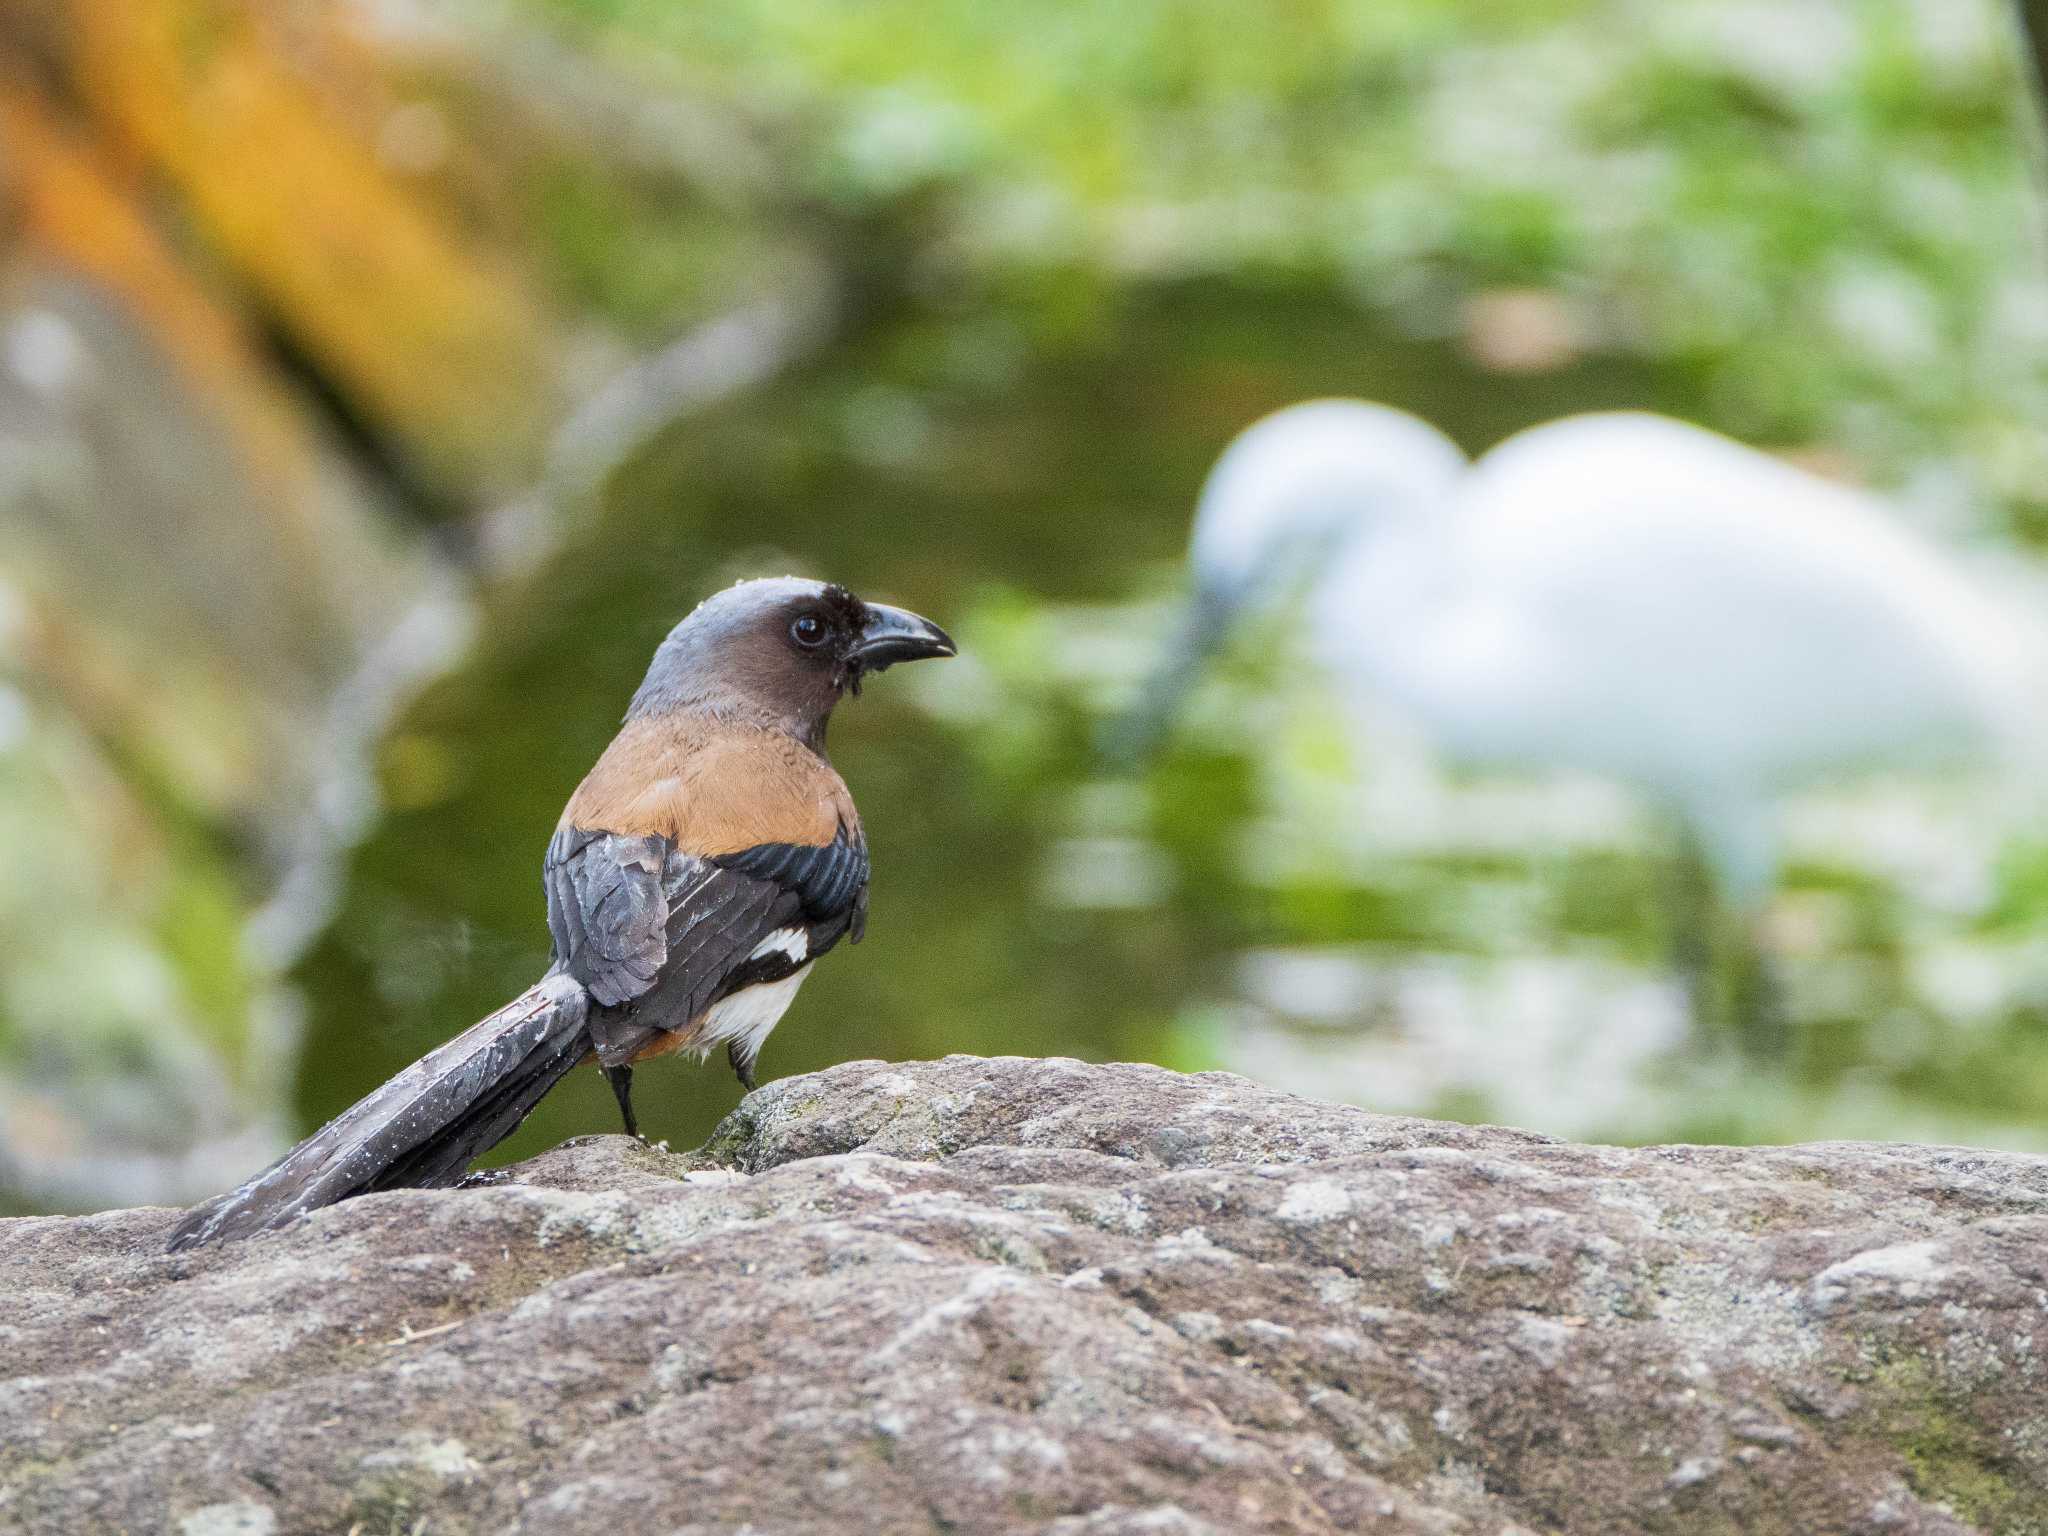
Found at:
<point>746,1017</point>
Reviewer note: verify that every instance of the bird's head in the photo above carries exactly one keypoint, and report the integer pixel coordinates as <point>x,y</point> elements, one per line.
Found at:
<point>1287,497</point>
<point>781,652</point>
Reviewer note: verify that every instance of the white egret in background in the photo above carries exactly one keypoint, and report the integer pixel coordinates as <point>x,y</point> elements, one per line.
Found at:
<point>1622,595</point>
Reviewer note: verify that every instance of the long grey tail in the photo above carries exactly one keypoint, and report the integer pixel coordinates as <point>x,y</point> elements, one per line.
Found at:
<point>422,1129</point>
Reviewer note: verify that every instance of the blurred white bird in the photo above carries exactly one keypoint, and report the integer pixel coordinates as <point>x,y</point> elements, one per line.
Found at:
<point>1618,594</point>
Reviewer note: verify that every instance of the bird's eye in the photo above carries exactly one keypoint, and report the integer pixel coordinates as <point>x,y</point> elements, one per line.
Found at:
<point>808,631</point>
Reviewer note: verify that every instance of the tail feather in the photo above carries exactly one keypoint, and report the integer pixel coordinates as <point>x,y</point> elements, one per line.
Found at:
<point>424,1127</point>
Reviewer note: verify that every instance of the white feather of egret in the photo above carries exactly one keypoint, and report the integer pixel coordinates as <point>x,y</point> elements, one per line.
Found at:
<point>1623,595</point>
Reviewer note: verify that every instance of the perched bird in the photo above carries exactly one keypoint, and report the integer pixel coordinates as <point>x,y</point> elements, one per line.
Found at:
<point>703,865</point>
<point>1620,594</point>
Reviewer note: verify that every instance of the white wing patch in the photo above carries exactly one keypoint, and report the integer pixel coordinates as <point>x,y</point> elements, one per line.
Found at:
<point>793,942</point>
<point>748,1015</point>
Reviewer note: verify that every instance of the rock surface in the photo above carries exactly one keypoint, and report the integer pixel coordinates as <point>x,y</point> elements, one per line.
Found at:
<point>991,1296</point>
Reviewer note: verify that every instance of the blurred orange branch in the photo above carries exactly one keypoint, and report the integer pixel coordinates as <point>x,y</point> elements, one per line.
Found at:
<point>74,215</point>
<point>436,342</point>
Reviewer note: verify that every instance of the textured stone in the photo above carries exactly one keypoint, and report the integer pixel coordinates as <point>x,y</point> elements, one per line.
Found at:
<point>1007,1295</point>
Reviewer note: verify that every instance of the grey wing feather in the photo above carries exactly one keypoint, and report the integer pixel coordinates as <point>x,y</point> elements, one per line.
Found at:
<point>656,934</point>
<point>607,911</point>
<point>714,924</point>
<point>716,919</point>
<point>659,935</point>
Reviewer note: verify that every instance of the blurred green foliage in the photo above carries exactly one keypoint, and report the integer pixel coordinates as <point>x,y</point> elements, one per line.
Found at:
<point>1818,212</point>
<point>1086,245</point>
<point>1136,228</point>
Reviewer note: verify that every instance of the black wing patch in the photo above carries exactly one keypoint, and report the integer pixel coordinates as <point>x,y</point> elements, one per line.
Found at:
<point>829,880</point>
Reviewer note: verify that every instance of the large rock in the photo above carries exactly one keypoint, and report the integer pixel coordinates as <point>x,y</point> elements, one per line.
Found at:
<point>1034,1295</point>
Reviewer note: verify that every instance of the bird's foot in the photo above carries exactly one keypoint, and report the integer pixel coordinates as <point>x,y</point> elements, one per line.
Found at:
<point>742,1066</point>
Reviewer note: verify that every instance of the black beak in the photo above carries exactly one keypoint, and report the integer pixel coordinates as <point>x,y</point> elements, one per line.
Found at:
<point>894,634</point>
<point>1203,627</point>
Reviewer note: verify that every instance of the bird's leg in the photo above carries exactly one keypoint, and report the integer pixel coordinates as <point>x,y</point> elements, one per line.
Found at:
<point>621,1079</point>
<point>1734,983</point>
<point>1756,995</point>
<point>742,1066</point>
<point>1691,908</point>
<point>1720,943</point>
<point>1746,866</point>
